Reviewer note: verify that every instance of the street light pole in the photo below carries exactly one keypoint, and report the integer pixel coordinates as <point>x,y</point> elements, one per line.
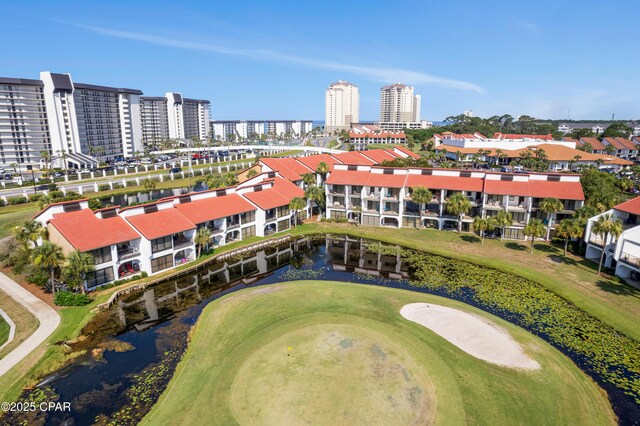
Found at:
<point>33,178</point>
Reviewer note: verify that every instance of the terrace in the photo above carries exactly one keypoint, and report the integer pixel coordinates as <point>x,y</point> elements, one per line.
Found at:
<point>181,240</point>
<point>127,250</point>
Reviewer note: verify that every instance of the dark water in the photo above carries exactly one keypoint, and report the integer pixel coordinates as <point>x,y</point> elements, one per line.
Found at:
<point>156,322</point>
<point>147,196</point>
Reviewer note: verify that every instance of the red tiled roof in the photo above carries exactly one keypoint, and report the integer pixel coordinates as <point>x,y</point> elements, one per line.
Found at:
<point>200,211</point>
<point>58,204</point>
<point>407,151</point>
<point>498,135</point>
<point>312,161</point>
<point>574,140</point>
<point>287,169</point>
<point>595,143</point>
<point>614,142</point>
<point>386,181</point>
<point>354,157</point>
<point>280,194</point>
<point>379,155</point>
<point>348,177</point>
<point>161,223</point>
<point>627,143</point>
<point>560,190</point>
<point>454,183</point>
<point>381,135</point>
<point>506,187</point>
<point>86,232</point>
<point>632,206</point>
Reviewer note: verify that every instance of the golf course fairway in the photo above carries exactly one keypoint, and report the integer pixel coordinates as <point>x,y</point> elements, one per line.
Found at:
<point>328,353</point>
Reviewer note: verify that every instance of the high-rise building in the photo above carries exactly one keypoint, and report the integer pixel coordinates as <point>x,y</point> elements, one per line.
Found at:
<point>188,118</point>
<point>398,104</point>
<point>24,127</point>
<point>342,106</point>
<point>155,119</point>
<point>98,121</point>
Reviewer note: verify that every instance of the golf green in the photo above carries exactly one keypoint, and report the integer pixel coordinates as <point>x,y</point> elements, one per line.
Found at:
<point>314,352</point>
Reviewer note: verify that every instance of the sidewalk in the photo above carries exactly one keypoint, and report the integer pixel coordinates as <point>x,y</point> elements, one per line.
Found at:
<point>47,317</point>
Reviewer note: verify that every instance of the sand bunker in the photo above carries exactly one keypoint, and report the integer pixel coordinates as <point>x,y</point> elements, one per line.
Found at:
<point>474,335</point>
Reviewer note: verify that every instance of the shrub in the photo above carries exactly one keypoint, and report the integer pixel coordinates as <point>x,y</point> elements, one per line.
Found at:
<point>104,187</point>
<point>144,274</point>
<point>117,186</point>
<point>341,220</point>
<point>56,194</point>
<point>35,197</point>
<point>17,200</point>
<point>38,276</point>
<point>2,202</point>
<point>66,298</point>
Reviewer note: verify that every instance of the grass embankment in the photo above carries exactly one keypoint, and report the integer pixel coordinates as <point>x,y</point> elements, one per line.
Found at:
<point>24,321</point>
<point>355,360</point>
<point>573,278</point>
<point>12,216</point>
<point>4,331</point>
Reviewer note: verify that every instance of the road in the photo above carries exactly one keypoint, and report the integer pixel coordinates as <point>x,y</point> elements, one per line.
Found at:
<point>47,317</point>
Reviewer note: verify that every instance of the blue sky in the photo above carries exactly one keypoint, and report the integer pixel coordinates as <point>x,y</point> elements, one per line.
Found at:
<point>275,59</point>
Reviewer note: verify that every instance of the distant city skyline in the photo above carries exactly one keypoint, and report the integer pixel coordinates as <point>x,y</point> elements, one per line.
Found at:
<point>265,61</point>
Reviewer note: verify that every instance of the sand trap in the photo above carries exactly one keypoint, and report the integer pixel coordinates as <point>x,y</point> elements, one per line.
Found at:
<point>474,335</point>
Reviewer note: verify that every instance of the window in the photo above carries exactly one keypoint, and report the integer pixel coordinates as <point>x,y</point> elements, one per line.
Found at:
<point>101,255</point>
<point>283,225</point>
<point>161,244</point>
<point>248,217</point>
<point>160,263</point>
<point>283,211</point>
<point>371,220</point>
<point>338,215</point>
<point>249,231</point>
<point>99,277</point>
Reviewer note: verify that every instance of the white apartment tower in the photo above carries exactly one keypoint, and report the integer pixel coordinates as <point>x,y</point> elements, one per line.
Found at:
<point>188,118</point>
<point>24,128</point>
<point>342,106</point>
<point>155,119</point>
<point>84,119</point>
<point>398,104</point>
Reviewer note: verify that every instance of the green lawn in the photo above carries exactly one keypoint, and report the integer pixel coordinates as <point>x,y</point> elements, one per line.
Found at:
<point>12,216</point>
<point>26,323</point>
<point>313,352</point>
<point>4,331</point>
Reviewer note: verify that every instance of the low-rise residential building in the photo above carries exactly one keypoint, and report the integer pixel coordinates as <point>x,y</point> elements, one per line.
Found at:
<point>620,147</point>
<point>381,196</point>
<point>623,253</point>
<point>361,141</point>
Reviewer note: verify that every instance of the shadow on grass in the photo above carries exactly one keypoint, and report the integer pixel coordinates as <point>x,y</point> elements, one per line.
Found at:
<point>470,238</point>
<point>547,248</point>
<point>622,289</point>
<point>515,246</point>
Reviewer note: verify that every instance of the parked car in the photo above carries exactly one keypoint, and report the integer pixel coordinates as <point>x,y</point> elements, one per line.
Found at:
<point>176,170</point>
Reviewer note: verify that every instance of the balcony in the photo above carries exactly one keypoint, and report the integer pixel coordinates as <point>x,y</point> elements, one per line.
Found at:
<point>493,204</point>
<point>181,242</point>
<point>337,205</point>
<point>127,253</point>
<point>372,196</point>
<point>233,224</point>
<point>519,207</point>
<point>390,195</point>
<point>596,240</point>
<point>630,259</point>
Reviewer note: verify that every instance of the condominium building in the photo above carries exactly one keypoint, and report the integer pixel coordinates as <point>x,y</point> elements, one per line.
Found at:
<point>342,106</point>
<point>155,119</point>
<point>398,104</point>
<point>188,118</point>
<point>381,196</point>
<point>291,128</point>
<point>24,127</point>
<point>239,130</point>
<point>623,253</point>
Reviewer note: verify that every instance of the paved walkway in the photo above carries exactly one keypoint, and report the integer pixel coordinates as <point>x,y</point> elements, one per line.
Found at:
<point>47,317</point>
<point>12,328</point>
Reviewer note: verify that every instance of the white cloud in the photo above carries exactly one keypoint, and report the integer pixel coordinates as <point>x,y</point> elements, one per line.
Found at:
<point>380,74</point>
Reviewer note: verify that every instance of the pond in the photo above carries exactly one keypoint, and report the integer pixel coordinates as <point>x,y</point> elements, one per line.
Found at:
<point>133,348</point>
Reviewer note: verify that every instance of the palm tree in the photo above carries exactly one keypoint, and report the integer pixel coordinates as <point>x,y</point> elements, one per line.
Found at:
<point>49,255</point>
<point>502,220</point>
<point>47,159</point>
<point>29,233</point>
<point>421,196</point>
<point>482,224</point>
<point>534,229</point>
<point>202,238</point>
<point>569,229</point>
<point>606,225</point>
<point>297,204</point>
<point>308,179</point>
<point>458,205</point>
<point>315,194</point>
<point>550,206</point>
<point>322,170</point>
<point>78,265</point>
